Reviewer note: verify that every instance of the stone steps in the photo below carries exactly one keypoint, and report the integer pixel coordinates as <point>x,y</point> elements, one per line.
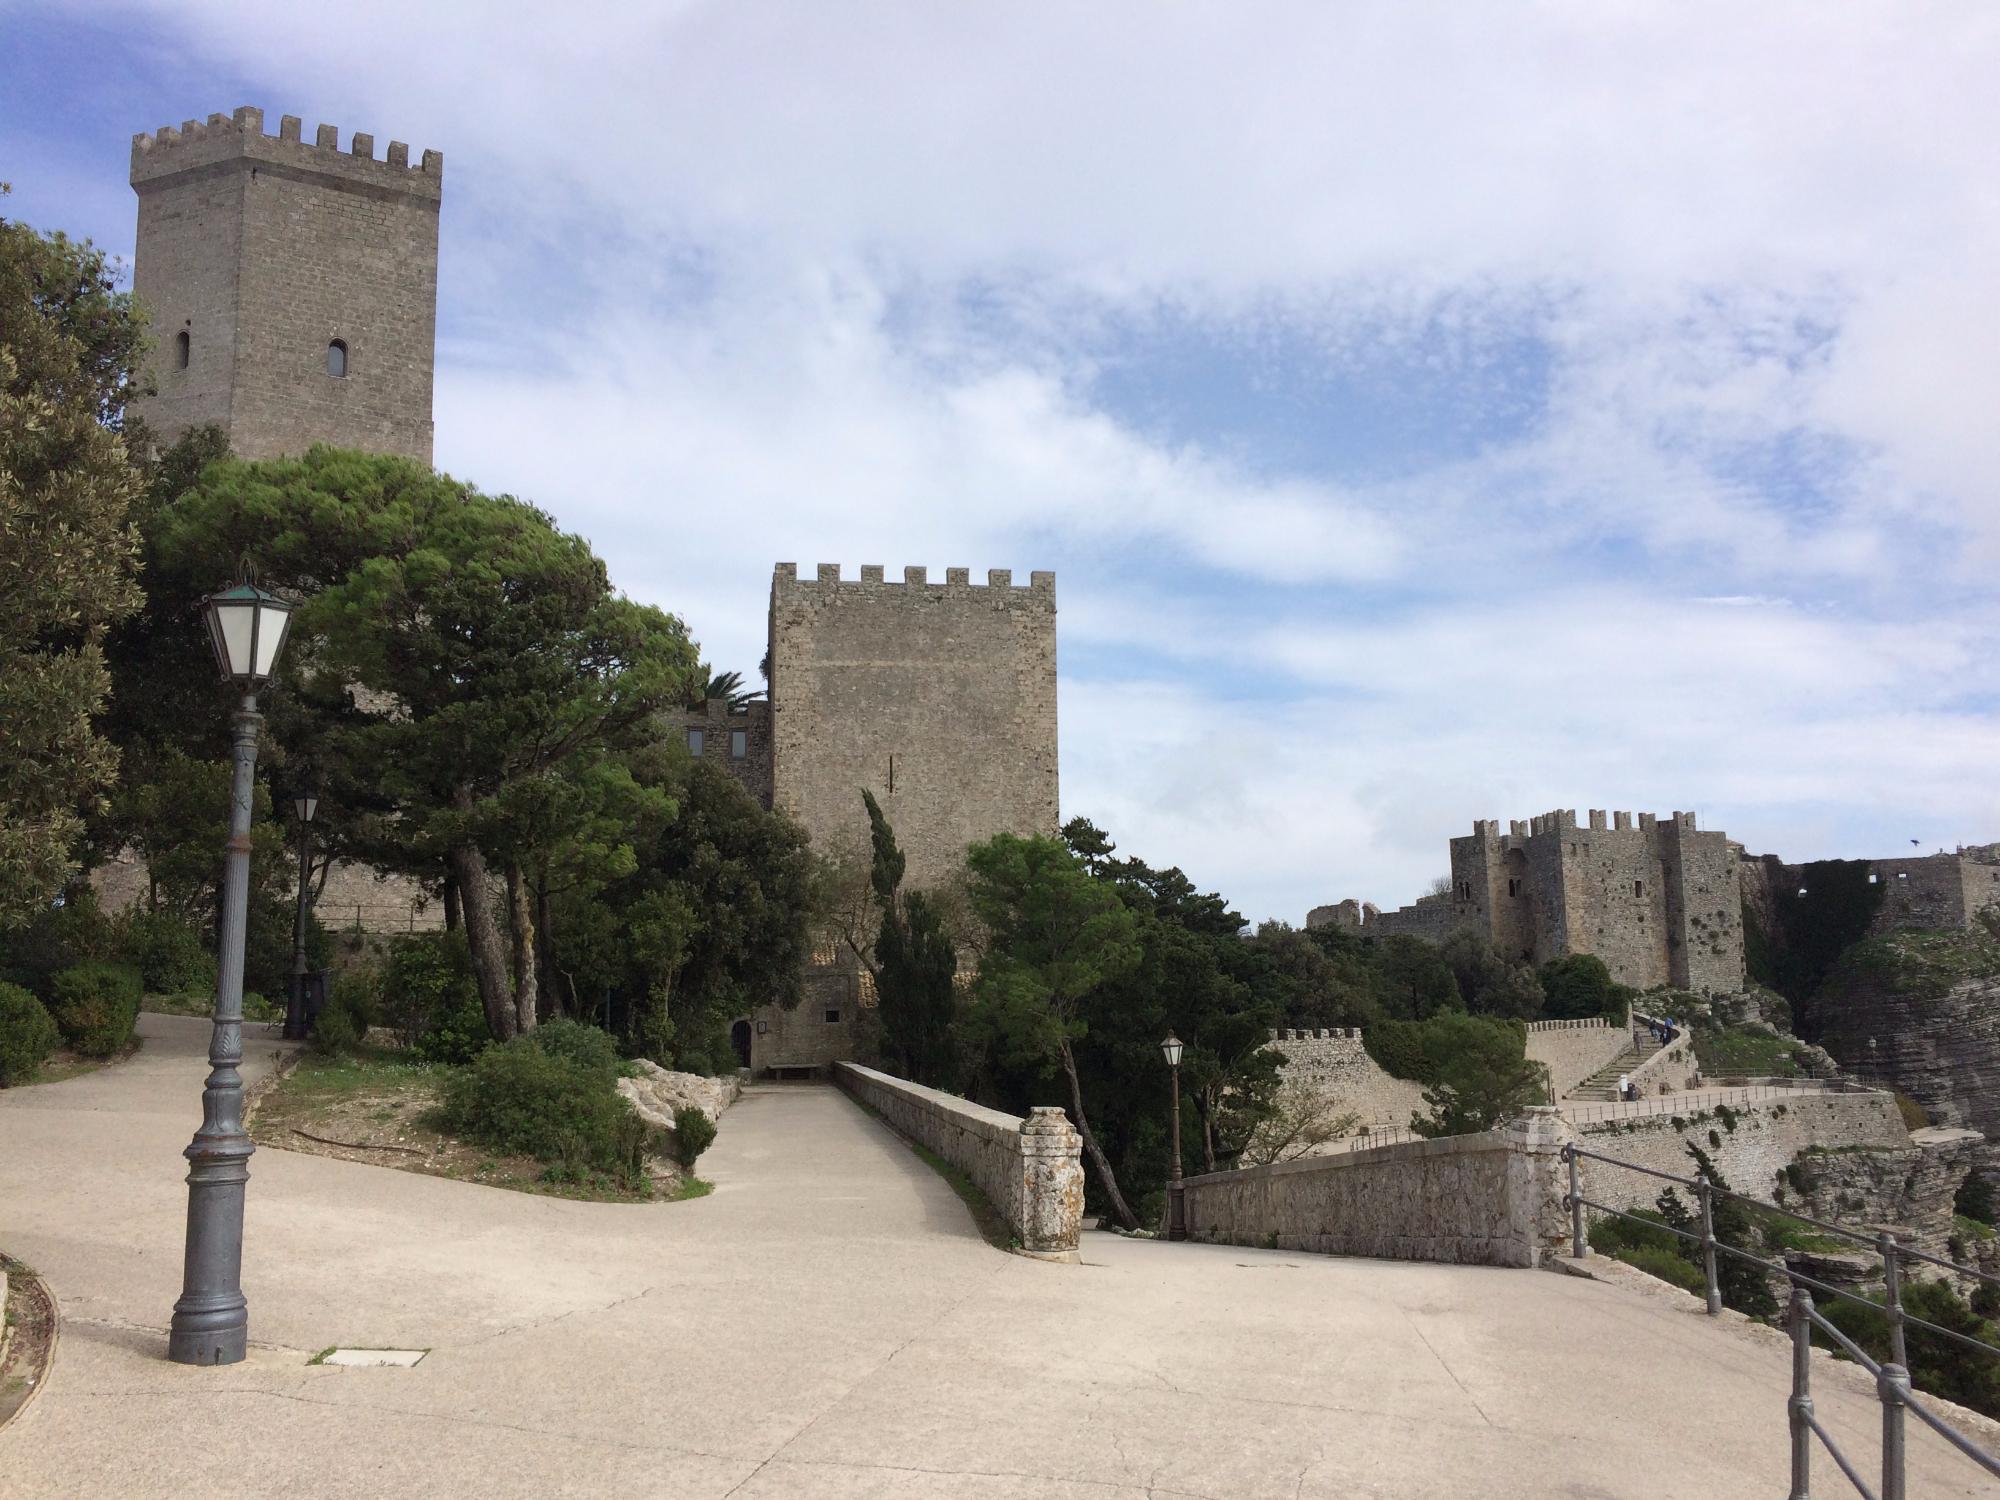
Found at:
<point>1602,1086</point>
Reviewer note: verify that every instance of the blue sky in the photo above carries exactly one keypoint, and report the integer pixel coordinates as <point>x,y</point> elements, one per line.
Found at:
<point>1431,413</point>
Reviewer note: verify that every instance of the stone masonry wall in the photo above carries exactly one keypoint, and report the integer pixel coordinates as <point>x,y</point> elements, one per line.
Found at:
<point>719,725</point>
<point>1335,1063</point>
<point>939,697</point>
<point>1337,1067</point>
<point>1493,1200</point>
<point>1030,1170</point>
<point>824,1027</point>
<point>1657,901</point>
<point>265,250</point>
<point>1768,1137</point>
<point>1573,1050</point>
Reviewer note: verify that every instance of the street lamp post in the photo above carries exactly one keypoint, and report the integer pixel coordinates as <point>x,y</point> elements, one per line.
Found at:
<point>1170,1049</point>
<point>211,1323</point>
<point>305,804</point>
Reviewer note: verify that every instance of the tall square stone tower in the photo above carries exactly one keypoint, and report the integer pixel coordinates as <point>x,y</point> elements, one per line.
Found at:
<point>940,698</point>
<point>291,288</point>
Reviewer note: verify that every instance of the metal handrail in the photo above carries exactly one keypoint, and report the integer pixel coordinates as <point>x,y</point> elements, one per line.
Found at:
<point>1892,1379</point>
<point>1597,1111</point>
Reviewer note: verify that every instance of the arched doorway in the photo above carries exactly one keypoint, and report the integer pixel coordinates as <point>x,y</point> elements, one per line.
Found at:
<point>739,1038</point>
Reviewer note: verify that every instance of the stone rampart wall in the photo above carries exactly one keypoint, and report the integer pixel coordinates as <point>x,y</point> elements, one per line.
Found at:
<point>1335,1062</point>
<point>1337,1067</point>
<point>1768,1137</point>
<point>1573,1050</point>
<point>1493,1200</point>
<point>1030,1170</point>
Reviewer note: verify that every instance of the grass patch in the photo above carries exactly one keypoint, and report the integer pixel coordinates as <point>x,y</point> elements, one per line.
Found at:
<point>256,1009</point>
<point>320,1358</point>
<point>66,1065</point>
<point>1735,1052</point>
<point>1667,1266</point>
<point>691,1187</point>
<point>1972,1229</point>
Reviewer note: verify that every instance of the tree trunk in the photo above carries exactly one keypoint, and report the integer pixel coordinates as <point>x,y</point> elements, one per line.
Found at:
<point>1206,1106</point>
<point>545,950</point>
<point>1105,1175</point>
<point>521,915</point>
<point>454,915</point>
<point>482,932</point>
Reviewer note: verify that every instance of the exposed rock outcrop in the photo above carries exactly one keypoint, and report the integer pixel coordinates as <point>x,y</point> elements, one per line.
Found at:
<point>1920,1012</point>
<point>656,1093</point>
<point>1906,1190</point>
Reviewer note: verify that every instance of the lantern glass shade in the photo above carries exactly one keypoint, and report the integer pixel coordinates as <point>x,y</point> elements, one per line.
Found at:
<point>305,806</point>
<point>1170,1049</point>
<point>246,626</point>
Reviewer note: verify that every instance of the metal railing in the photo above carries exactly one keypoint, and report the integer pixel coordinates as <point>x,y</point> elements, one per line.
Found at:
<point>1892,1379</point>
<point>1590,1113</point>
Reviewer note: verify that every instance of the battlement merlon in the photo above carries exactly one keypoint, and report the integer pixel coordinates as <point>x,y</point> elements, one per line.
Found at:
<point>197,144</point>
<point>1040,588</point>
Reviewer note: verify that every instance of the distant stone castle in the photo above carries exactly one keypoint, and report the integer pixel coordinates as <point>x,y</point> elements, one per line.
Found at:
<point>292,293</point>
<point>1660,901</point>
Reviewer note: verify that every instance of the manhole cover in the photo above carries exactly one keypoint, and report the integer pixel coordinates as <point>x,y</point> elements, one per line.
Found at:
<point>369,1358</point>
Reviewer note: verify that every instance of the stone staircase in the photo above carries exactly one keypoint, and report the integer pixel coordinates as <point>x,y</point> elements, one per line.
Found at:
<point>1602,1085</point>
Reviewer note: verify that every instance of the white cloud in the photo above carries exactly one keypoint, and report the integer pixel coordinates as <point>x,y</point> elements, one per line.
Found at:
<point>729,284</point>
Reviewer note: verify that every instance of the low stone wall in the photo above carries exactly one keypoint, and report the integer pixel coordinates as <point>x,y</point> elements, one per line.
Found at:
<point>1767,1138</point>
<point>1030,1170</point>
<point>1573,1050</point>
<point>1493,1199</point>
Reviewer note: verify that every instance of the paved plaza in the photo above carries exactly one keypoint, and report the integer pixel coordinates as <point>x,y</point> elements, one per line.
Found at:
<point>827,1323</point>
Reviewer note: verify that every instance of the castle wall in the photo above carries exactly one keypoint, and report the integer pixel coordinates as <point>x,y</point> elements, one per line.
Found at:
<point>264,250</point>
<point>718,725</point>
<point>1767,1138</point>
<point>1573,1050</point>
<point>940,698</point>
<point>1337,1067</point>
<point>1658,902</point>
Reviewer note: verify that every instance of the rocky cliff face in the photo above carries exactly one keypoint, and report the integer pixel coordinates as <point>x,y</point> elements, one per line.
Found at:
<point>1908,1191</point>
<point>1920,1012</point>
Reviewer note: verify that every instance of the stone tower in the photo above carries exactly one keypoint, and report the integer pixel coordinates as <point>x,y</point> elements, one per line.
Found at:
<point>291,288</point>
<point>940,698</point>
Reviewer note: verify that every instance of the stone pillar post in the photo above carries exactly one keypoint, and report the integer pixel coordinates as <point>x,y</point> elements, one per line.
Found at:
<point>1051,1185</point>
<point>1536,1182</point>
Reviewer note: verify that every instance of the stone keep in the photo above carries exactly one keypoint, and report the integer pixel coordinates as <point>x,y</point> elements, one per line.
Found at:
<point>291,288</point>
<point>1658,900</point>
<point>938,697</point>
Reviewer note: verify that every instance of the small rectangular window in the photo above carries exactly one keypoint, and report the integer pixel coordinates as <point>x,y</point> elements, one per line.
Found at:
<point>833,1015</point>
<point>695,738</point>
<point>739,744</point>
<point>1638,887</point>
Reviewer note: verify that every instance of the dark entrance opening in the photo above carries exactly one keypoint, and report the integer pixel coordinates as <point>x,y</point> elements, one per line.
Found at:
<point>739,1038</point>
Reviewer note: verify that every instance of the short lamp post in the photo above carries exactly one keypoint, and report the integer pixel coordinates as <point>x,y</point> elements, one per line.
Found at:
<point>305,805</point>
<point>1170,1049</point>
<point>211,1323</point>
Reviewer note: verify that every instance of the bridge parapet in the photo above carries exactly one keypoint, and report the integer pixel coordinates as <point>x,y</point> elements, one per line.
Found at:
<point>1030,1170</point>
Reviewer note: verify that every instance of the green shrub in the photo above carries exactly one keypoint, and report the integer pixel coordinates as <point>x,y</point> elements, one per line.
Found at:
<point>257,1008</point>
<point>1398,1047</point>
<point>1579,985</point>
<point>694,1133</point>
<point>27,1035</point>
<point>584,1046</point>
<point>1915,1117</point>
<point>1975,1199</point>
<point>335,1029</point>
<point>73,932</point>
<point>95,1006</point>
<point>1610,1236</point>
<point>517,1098</point>
<point>430,995</point>
<point>1668,1265</point>
<point>358,991</point>
<point>169,952</point>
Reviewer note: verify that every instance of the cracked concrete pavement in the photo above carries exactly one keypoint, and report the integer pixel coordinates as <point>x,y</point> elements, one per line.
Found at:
<point>827,1323</point>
